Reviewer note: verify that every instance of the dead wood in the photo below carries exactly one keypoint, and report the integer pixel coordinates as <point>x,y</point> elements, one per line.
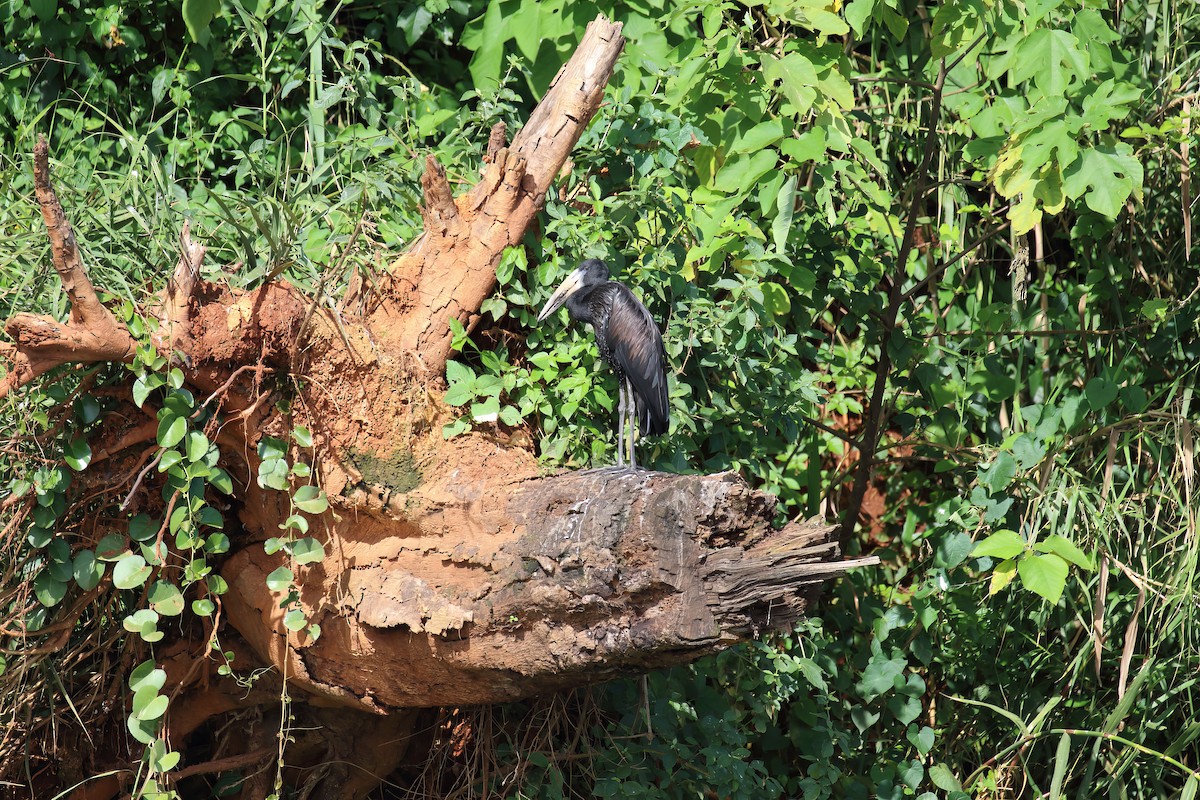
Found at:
<point>451,268</point>
<point>42,343</point>
<point>511,588</point>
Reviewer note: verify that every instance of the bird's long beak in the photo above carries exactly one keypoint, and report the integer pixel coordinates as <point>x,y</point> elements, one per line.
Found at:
<point>568,287</point>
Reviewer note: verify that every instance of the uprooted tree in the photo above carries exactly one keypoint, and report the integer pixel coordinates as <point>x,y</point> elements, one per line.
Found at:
<point>278,466</point>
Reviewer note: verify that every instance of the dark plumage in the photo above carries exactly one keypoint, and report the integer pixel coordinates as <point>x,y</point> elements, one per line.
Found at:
<point>629,341</point>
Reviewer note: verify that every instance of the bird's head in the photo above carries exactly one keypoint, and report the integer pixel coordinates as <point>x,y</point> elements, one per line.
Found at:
<point>588,273</point>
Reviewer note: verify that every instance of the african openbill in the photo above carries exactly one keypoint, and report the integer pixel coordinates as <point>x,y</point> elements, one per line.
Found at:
<point>629,341</point>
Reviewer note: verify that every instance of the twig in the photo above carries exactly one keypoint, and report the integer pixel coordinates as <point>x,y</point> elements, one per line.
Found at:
<point>224,764</point>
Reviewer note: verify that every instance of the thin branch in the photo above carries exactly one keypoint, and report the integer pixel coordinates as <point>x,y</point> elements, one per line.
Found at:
<point>883,366</point>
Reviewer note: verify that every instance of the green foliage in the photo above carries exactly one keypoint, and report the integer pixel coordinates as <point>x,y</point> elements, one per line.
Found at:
<point>752,175</point>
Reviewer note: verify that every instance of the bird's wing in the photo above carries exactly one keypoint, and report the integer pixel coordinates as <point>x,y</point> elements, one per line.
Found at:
<point>637,348</point>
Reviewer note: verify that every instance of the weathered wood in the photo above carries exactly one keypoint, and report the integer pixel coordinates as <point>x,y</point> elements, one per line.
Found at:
<point>565,580</point>
<point>451,269</point>
<point>41,343</point>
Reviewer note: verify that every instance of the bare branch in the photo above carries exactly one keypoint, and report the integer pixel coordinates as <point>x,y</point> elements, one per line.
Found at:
<point>42,343</point>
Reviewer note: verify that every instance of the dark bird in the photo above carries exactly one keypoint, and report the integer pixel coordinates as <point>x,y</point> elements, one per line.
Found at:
<point>629,341</point>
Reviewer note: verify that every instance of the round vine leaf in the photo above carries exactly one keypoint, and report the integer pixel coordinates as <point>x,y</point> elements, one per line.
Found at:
<point>39,537</point>
<point>171,430</point>
<point>148,704</point>
<point>142,729</point>
<point>308,550</point>
<point>302,436</point>
<point>112,547</point>
<point>297,522</point>
<point>217,543</point>
<point>130,572</point>
<point>146,674</point>
<point>273,474</point>
<point>142,528</point>
<point>280,579</point>
<point>221,481</point>
<point>169,459</point>
<point>216,584</point>
<point>181,401</point>
<point>143,622</point>
<point>311,499</point>
<point>161,759</point>
<point>294,620</point>
<point>60,551</point>
<point>87,409</point>
<point>166,599</point>
<point>78,454</point>
<point>44,515</point>
<point>197,446</point>
<point>49,590</point>
<point>210,516</point>
<point>195,571</point>
<point>86,570</point>
<point>203,608</point>
<point>269,447</point>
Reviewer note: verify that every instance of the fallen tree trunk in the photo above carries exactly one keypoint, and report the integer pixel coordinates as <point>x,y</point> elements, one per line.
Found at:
<point>451,573</point>
<point>561,581</point>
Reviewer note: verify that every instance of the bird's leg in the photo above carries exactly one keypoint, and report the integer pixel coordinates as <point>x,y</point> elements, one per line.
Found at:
<point>632,422</point>
<point>621,424</point>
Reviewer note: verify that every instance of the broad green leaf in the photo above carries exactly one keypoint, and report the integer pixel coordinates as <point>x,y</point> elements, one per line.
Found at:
<point>1000,473</point>
<point>952,550</point>
<point>762,135</point>
<point>1002,544</point>
<point>142,528</point>
<point>1105,177</point>
<point>1051,59</point>
<point>794,77</point>
<point>1065,548</point>
<point>269,447</point>
<point>148,704</point>
<point>273,474</point>
<point>146,674</point>
<point>1002,575</point>
<point>943,778</point>
<point>203,608</point>
<point>302,436</point>
<point>112,547</point>
<point>221,481</point>
<point>198,16</point>
<point>1100,393</point>
<point>488,44</point>
<point>1045,575</point>
<point>49,590</point>
<point>197,446</point>
<point>921,739</point>
<point>144,730</point>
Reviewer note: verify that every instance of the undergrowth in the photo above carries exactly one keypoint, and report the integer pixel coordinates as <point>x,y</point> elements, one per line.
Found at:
<point>1032,630</point>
